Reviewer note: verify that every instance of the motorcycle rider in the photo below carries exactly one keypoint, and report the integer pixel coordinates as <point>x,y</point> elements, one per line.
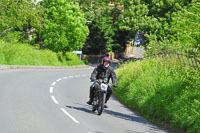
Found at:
<point>100,72</point>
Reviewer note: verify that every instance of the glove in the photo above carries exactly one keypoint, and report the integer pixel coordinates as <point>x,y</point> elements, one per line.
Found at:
<point>92,80</point>
<point>115,86</point>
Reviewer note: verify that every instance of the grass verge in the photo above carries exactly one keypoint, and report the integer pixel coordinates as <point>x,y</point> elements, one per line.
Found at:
<point>162,90</point>
<point>24,54</point>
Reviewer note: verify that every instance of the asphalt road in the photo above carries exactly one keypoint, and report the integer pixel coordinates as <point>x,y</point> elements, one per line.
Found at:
<point>54,101</point>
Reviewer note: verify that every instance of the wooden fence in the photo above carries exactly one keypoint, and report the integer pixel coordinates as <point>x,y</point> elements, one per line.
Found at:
<point>183,58</point>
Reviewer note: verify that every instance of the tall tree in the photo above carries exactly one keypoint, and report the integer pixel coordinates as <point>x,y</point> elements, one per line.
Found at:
<point>185,27</point>
<point>102,19</point>
<point>153,18</point>
<point>20,17</point>
<point>64,26</point>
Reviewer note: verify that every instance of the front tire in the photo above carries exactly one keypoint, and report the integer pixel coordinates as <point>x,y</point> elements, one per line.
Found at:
<point>94,104</point>
<point>93,109</point>
<point>100,104</point>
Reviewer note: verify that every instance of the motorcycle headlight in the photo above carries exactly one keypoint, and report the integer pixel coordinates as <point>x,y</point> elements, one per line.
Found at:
<point>105,80</point>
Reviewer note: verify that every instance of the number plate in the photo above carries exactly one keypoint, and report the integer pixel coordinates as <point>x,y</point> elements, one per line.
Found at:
<point>104,87</point>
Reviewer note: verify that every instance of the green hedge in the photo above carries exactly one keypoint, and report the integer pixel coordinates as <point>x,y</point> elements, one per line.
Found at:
<point>24,54</point>
<point>162,91</point>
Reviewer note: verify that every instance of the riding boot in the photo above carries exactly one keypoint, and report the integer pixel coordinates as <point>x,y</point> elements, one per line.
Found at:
<point>105,105</point>
<point>91,95</point>
<point>90,101</point>
<point>109,93</point>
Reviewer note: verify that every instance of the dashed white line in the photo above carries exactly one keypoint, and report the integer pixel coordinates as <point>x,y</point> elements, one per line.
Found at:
<point>77,76</point>
<point>56,102</point>
<point>54,99</point>
<point>64,111</point>
<point>53,83</point>
<point>70,76</point>
<point>51,89</point>
<point>58,80</point>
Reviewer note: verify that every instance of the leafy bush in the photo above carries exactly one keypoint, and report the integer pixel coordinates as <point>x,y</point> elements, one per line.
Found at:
<point>162,90</point>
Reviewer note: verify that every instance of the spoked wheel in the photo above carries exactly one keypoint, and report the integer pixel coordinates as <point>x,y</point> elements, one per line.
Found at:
<point>93,108</point>
<point>100,104</point>
<point>95,103</point>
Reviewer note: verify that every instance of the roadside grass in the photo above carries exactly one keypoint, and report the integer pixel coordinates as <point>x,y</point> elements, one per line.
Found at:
<point>162,91</point>
<point>24,54</point>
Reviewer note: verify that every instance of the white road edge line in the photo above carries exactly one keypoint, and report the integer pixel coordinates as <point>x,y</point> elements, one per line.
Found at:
<point>64,111</point>
<point>54,99</point>
<point>53,83</point>
<point>51,89</point>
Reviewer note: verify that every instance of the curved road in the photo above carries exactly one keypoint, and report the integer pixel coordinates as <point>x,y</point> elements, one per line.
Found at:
<point>54,101</point>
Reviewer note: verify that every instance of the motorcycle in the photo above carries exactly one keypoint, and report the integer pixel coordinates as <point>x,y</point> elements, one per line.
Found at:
<point>99,95</point>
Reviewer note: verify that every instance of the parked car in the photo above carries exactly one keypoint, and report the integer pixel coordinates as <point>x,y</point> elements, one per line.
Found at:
<point>82,57</point>
<point>79,53</point>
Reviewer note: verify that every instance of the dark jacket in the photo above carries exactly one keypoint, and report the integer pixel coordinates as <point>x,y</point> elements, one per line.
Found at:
<point>100,72</point>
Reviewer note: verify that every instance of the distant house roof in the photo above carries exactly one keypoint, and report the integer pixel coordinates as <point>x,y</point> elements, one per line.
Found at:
<point>112,5</point>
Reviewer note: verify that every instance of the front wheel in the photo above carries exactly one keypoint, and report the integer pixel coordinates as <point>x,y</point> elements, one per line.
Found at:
<point>101,103</point>
<point>93,109</point>
<point>94,104</point>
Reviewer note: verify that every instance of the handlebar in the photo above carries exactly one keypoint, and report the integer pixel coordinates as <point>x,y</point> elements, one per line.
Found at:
<point>100,80</point>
